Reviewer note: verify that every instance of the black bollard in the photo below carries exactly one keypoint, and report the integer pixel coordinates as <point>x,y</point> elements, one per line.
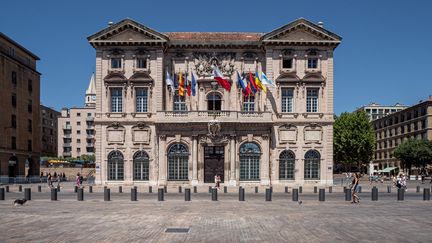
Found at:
<point>344,189</point>
<point>388,189</point>
<point>347,195</point>
<point>187,194</point>
<point>7,188</point>
<point>53,194</point>
<point>195,189</point>
<point>214,194</point>
<point>300,189</point>
<point>330,189</point>
<point>321,195</point>
<point>400,194</point>
<point>27,194</point>
<point>295,193</point>
<point>210,189</point>
<point>315,189</point>
<point>107,194</point>
<point>133,194</point>
<point>426,194</point>
<point>418,189</point>
<point>161,194</point>
<point>374,193</point>
<point>80,195</point>
<point>76,189</point>
<point>165,189</point>
<point>286,189</point>
<point>20,188</point>
<point>180,189</point>
<point>2,194</point>
<point>268,194</point>
<point>241,194</point>
<point>58,188</point>
<point>150,189</point>
<point>39,188</point>
<point>256,189</point>
<point>90,189</point>
<point>225,189</point>
<point>120,189</point>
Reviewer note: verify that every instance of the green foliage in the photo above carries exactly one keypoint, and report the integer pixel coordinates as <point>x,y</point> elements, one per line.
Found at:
<point>414,153</point>
<point>354,139</point>
<point>89,158</point>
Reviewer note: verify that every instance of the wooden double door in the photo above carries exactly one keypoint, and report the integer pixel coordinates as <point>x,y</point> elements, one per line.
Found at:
<point>213,163</point>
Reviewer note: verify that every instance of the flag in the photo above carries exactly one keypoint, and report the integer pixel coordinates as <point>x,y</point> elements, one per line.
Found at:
<point>181,85</point>
<point>246,90</point>
<point>169,82</point>
<point>252,83</point>
<point>188,85</point>
<point>259,84</point>
<point>219,77</point>
<point>265,80</point>
<point>193,85</point>
<point>175,81</point>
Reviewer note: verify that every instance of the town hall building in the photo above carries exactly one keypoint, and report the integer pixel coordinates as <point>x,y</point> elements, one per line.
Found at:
<point>148,133</point>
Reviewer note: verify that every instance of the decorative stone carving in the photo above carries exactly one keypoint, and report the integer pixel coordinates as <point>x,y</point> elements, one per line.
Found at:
<point>214,128</point>
<point>313,133</point>
<point>204,61</point>
<point>287,134</point>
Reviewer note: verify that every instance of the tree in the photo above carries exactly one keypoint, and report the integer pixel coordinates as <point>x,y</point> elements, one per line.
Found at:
<point>353,140</point>
<point>88,158</point>
<point>413,152</point>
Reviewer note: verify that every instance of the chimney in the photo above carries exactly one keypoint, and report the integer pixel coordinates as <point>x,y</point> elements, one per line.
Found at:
<point>430,97</point>
<point>321,24</point>
<point>110,23</point>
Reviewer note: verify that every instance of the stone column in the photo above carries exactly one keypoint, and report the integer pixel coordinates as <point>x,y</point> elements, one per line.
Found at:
<point>265,161</point>
<point>232,180</point>
<point>194,160</point>
<point>162,160</point>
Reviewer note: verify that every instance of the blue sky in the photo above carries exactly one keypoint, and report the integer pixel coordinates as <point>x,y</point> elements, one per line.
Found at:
<point>385,55</point>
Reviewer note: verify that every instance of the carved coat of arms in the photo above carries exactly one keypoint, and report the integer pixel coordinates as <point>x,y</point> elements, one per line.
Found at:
<point>204,62</point>
<point>214,128</point>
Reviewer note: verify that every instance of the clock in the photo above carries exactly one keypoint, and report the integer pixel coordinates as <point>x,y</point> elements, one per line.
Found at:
<point>93,97</point>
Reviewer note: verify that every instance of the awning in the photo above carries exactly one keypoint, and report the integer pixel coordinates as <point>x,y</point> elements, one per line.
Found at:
<point>388,169</point>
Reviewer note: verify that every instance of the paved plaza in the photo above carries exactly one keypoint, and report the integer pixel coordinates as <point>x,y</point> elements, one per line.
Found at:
<point>225,220</point>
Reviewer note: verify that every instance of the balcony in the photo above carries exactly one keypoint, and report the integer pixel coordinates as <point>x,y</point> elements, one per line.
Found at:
<point>205,116</point>
<point>67,135</point>
<point>90,145</point>
<point>67,154</point>
<point>90,136</point>
<point>67,127</point>
<point>66,145</point>
<point>89,119</point>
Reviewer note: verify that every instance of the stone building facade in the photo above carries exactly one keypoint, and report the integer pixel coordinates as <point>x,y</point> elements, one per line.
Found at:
<point>376,111</point>
<point>147,133</point>
<point>19,111</point>
<point>414,122</point>
<point>48,131</point>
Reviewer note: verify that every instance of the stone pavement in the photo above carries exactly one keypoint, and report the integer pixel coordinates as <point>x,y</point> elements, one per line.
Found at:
<point>226,220</point>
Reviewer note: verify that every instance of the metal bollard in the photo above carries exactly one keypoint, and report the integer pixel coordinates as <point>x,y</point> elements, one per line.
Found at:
<point>107,194</point>
<point>426,194</point>
<point>120,189</point>
<point>90,189</point>
<point>20,188</point>
<point>161,194</point>
<point>150,189</point>
<point>165,189</point>
<point>418,189</point>
<point>400,194</point>
<point>315,189</point>
<point>321,195</point>
<point>39,188</point>
<point>187,194</point>
<point>80,195</point>
<point>300,189</point>
<point>27,194</point>
<point>210,189</point>
<point>133,194</point>
<point>359,189</point>
<point>7,188</point>
<point>286,189</point>
<point>268,194</point>
<point>330,189</point>
<point>214,194</point>
<point>76,189</point>
<point>295,193</point>
<point>347,194</point>
<point>195,189</point>
<point>2,194</point>
<point>53,194</point>
<point>225,189</point>
<point>241,194</point>
<point>180,189</point>
<point>256,189</point>
<point>388,189</point>
<point>374,193</point>
<point>58,188</point>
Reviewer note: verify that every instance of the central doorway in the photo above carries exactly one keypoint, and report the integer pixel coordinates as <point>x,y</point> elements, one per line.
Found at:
<point>213,163</point>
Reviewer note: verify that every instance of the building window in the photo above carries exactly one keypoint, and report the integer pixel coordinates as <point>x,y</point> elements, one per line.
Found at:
<point>287,99</point>
<point>29,125</point>
<point>286,165</point>
<point>250,155</point>
<point>13,142</point>
<point>29,145</point>
<point>312,63</point>
<point>78,132</point>
<point>402,129</point>
<point>13,121</point>
<point>115,166</point>
<point>287,63</point>
<point>116,100</point>
<point>78,140</point>
<point>78,114</point>
<point>89,114</point>
<point>312,165</point>
<point>14,79</point>
<point>30,106</point>
<point>116,63</point>
<point>214,101</point>
<point>141,100</point>
<point>312,100</point>
<point>141,166</point>
<point>249,103</point>
<point>179,103</point>
<point>14,100</point>
<point>78,150</point>
<point>78,123</point>
<point>178,162</point>
<point>423,124</point>
<point>30,85</point>
<point>408,127</point>
<point>141,63</point>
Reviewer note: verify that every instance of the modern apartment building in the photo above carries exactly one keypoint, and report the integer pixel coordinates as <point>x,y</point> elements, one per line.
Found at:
<point>48,131</point>
<point>19,111</point>
<point>376,111</point>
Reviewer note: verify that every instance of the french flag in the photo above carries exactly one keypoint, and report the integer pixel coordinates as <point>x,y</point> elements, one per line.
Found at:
<point>219,77</point>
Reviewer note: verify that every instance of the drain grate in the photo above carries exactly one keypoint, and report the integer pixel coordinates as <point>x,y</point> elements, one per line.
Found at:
<point>177,230</point>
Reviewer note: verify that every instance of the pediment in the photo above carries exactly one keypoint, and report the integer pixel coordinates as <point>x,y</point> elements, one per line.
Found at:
<point>301,31</point>
<point>141,76</point>
<point>288,77</point>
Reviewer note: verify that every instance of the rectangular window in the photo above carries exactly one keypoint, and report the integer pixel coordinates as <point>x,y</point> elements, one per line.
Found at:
<point>287,63</point>
<point>13,121</point>
<point>78,132</point>
<point>312,63</point>
<point>116,100</point>
<point>78,150</point>
<point>141,63</point>
<point>30,125</point>
<point>89,114</point>
<point>141,100</point>
<point>423,124</point>
<point>14,100</point>
<point>14,78</point>
<point>13,142</point>
<point>78,114</point>
<point>30,106</point>
<point>249,103</point>
<point>287,99</point>
<point>78,123</point>
<point>78,140</point>
<point>30,85</point>
<point>179,103</point>
<point>312,100</point>
<point>116,63</point>
<point>29,145</point>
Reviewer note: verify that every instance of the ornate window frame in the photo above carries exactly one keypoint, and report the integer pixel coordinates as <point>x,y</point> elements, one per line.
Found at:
<point>288,54</point>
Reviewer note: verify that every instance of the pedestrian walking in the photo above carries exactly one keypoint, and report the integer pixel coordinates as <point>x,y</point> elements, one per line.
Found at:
<point>355,182</point>
<point>78,180</point>
<point>49,180</point>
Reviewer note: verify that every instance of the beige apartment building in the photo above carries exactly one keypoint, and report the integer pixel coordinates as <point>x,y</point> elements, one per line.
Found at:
<point>19,111</point>
<point>414,122</point>
<point>76,131</point>
<point>48,131</point>
<point>376,111</point>
<point>147,133</point>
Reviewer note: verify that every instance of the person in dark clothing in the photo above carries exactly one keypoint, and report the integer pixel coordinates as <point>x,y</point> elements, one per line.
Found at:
<point>355,182</point>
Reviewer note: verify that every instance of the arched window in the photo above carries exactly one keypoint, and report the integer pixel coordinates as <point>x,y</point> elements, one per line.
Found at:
<point>214,101</point>
<point>286,165</point>
<point>115,166</point>
<point>312,165</point>
<point>178,162</point>
<point>250,155</point>
<point>141,166</point>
